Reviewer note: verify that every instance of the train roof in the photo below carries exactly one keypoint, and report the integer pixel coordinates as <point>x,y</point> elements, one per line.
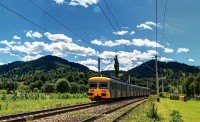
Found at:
<point>99,79</point>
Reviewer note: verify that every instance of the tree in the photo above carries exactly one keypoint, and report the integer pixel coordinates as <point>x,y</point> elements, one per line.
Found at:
<point>116,65</point>
<point>62,85</point>
<point>49,88</point>
<point>83,88</point>
<point>74,88</point>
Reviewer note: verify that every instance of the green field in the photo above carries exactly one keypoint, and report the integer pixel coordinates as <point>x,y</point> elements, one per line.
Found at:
<point>190,110</point>
<point>10,106</point>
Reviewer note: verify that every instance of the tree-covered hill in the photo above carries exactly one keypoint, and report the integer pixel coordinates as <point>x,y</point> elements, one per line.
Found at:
<point>147,69</point>
<point>43,64</point>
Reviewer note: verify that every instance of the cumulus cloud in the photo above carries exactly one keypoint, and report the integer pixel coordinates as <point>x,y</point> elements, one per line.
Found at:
<point>93,68</point>
<point>111,43</point>
<point>143,26</point>
<point>5,50</point>
<point>89,61</point>
<point>191,60</point>
<point>9,44</point>
<point>168,50</point>
<point>57,37</point>
<point>32,34</point>
<point>182,50</point>
<point>59,1</point>
<point>121,33</point>
<point>30,48</point>
<point>83,3</point>
<point>145,42</point>
<point>16,37</point>
<point>147,25</point>
<point>132,32</point>
<point>166,59</point>
<point>1,63</point>
<point>29,58</point>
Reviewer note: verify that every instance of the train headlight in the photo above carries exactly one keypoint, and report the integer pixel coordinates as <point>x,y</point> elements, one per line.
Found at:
<point>103,90</point>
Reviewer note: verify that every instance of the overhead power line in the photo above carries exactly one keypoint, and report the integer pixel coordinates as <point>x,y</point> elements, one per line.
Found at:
<point>111,22</point>
<point>62,24</point>
<point>163,29</point>
<point>23,17</point>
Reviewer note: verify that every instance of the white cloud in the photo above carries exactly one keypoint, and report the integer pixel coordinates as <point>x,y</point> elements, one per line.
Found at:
<point>129,55</point>
<point>83,3</point>
<point>29,58</point>
<point>132,32</point>
<point>121,33</point>
<point>32,34</point>
<point>16,37</point>
<point>89,61</point>
<point>150,23</point>
<point>111,43</point>
<point>57,37</point>
<point>147,25</point>
<point>1,63</point>
<point>30,48</point>
<point>5,50</point>
<point>166,59</point>
<point>144,26</point>
<point>97,42</point>
<point>145,42</point>
<point>181,50</point>
<point>93,68</point>
<point>105,61</point>
<point>59,1</point>
<point>7,43</point>
<point>168,50</point>
<point>191,60</point>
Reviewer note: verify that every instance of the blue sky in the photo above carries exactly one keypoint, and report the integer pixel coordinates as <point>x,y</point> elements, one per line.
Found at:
<point>134,42</point>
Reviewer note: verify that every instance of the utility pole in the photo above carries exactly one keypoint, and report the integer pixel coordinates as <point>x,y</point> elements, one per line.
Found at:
<point>99,65</point>
<point>157,82</point>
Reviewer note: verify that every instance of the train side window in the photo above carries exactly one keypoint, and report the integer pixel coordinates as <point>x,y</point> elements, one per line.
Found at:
<point>112,85</point>
<point>103,85</point>
<point>93,85</point>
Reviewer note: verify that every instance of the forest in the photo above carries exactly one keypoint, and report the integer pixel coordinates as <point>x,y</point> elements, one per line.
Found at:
<point>51,74</point>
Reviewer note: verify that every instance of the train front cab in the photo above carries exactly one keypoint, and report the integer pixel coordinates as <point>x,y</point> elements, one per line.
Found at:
<point>98,88</point>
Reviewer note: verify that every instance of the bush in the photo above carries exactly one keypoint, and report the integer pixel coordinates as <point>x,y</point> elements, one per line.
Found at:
<point>83,88</point>
<point>153,112</point>
<point>62,85</point>
<point>49,88</point>
<point>175,116</point>
<point>74,88</point>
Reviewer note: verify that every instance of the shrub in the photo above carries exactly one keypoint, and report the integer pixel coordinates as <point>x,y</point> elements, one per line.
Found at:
<point>153,112</point>
<point>49,88</point>
<point>74,88</point>
<point>175,116</point>
<point>62,85</point>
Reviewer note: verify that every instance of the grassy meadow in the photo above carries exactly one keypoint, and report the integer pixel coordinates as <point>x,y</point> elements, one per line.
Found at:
<point>189,111</point>
<point>35,101</point>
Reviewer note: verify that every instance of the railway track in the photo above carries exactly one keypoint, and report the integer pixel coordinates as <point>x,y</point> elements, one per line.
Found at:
<point>22,117</point>
<point>98,116</point>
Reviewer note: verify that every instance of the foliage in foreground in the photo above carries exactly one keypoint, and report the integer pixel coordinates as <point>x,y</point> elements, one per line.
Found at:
<point>152,113</point>
<point>175,116</point>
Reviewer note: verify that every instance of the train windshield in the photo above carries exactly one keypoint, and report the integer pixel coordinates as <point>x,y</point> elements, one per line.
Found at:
<point>103,85</point>
<point>93,85</point>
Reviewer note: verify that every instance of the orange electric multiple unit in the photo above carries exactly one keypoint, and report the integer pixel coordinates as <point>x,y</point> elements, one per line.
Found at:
<point>104,88</point>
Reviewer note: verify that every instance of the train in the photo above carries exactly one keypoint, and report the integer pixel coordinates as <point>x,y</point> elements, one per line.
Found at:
<point>107,88</point>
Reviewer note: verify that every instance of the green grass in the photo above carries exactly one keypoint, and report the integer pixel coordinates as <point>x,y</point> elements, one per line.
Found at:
<point>10,106</point>
<point>139,114</point>
<point>189,110</point>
